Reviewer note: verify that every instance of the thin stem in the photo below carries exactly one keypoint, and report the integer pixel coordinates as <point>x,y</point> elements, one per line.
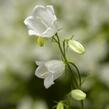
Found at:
<point>78,72</point>
<point>61,50</point>
<point>64,48</point>
<point>65,60</point>
<point>75,81</point>
<point>67,63</point>
<point>54,39</point>
<point>82,105</point>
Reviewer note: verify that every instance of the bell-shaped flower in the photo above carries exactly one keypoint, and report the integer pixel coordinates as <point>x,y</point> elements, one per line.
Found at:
<point>49,71</point>
<point>42,22</point>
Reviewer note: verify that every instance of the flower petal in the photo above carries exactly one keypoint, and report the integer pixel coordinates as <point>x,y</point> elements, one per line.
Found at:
<point>41,71</point>
<point>49,32</point>
<point>42,22</point>
<point>35,26</point>
<point>50,7</point>
<point>51,13</point>
<point>48,81</point>
<point>46,14</point>
<point>40,62</point>
<point>56,67</point>
<point>31,32</point>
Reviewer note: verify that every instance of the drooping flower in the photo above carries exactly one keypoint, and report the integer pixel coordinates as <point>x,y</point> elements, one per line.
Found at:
<point>42,22</point>
<point>49,71</point>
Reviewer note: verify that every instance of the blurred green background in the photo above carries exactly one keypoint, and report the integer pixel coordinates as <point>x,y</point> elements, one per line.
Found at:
<point>86,20</point>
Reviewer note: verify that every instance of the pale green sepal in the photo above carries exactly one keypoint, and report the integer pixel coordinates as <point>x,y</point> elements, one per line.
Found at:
<point>40,41</point>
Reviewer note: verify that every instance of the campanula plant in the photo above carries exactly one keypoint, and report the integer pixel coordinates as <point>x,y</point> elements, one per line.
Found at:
<point>42,23</point>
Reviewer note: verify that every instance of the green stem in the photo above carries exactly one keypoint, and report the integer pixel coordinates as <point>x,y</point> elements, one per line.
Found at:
<point>64,47</point>
<point>82,105</point>
<point>62,50</point>
<point>67,63</point>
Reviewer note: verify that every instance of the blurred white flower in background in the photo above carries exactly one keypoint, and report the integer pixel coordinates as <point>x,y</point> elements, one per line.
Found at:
<point>25,103</point>
<point>95,51</point>
<point>40,104</point>
<point>103,72</point>
<point>42,22</point>
<point>29,103</point>
<point>17,50</point>
<point>107,107</point>
<point>49,71</point>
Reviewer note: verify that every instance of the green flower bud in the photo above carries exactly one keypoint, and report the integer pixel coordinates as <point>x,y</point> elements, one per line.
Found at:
<point>76,46</point>
<point>78,94</point>
<point>40,41</point>
<point>60,105</point>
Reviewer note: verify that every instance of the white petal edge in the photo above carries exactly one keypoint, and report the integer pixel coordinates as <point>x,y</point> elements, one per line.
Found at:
<point>36,7</point>
<point>42,6</point>
<point>50,31</point>
<point>51,8</point>
<point>31,32</point>
<point>40,62</point>
<point>26,20</point>
<point>56,67</point>
<point>41,71</point>
<point>48,81</point>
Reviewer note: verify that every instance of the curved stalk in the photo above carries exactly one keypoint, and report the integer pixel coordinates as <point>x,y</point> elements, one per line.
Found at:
<point>63,52</point>
<point>62,49</point>
<point>78,72</point>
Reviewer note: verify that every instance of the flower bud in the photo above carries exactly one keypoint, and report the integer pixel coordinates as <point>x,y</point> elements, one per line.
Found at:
<point>60,105</point>
<point>76,46</point>
<point>40,41</point>
<point>78,94</point>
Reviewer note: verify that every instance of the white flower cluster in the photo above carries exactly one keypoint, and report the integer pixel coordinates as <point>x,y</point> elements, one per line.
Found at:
<point>43,23</point>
